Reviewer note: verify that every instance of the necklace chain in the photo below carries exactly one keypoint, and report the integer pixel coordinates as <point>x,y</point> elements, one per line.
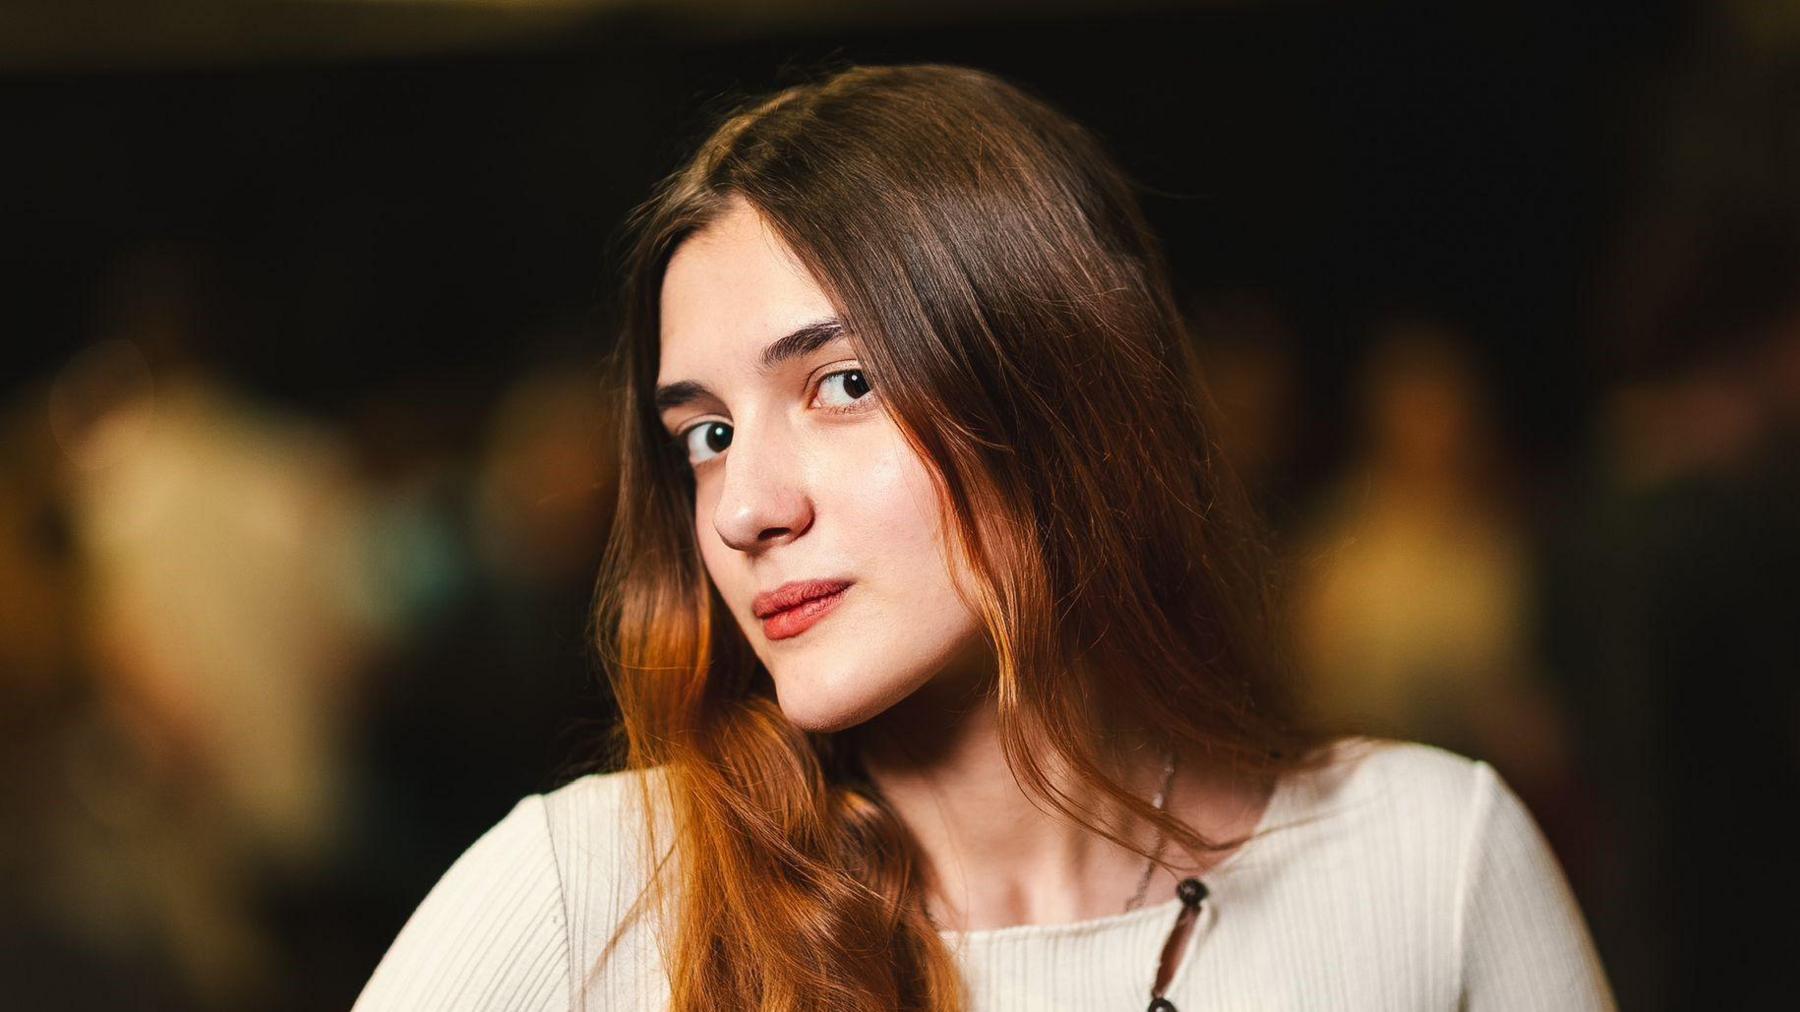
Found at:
<point>1162,794</point>
<point>1162,840</point>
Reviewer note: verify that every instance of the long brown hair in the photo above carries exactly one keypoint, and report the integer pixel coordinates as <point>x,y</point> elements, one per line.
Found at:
<point>999,285</point>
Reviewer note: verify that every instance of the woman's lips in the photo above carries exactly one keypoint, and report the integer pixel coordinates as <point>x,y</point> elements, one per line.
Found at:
<point>801,617</point>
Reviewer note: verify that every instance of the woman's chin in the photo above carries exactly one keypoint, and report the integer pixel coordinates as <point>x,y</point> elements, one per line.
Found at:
<point>817,710</point>
<point>819,704</point>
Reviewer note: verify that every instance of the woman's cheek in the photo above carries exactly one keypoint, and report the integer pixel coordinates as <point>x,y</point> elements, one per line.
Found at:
<point>715,554</point>
<point>894,493</point>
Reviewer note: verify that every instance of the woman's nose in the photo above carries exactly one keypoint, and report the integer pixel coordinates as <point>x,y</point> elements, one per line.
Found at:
<point>762,500</point>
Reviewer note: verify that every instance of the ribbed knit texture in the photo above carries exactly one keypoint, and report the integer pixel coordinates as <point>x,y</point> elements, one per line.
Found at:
<point>1400,877</point>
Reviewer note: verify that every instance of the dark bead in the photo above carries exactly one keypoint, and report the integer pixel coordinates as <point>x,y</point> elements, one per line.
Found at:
<point>1162,1005</point>
<point>1191,891</point>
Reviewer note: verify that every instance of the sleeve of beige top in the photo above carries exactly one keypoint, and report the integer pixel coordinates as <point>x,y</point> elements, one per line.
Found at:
<point>1524,943</point>
<point>489,936</point>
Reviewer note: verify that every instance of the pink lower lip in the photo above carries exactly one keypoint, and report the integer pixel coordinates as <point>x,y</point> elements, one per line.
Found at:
<point>800,617</point>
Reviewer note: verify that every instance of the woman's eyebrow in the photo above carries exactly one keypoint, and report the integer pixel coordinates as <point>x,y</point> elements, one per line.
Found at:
<point>804,341</point>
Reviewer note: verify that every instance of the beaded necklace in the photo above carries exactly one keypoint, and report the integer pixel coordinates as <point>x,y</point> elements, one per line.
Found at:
<point>1191,891</point>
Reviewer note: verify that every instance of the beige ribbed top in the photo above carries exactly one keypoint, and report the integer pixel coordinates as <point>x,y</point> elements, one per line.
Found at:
<point>1399,877</point>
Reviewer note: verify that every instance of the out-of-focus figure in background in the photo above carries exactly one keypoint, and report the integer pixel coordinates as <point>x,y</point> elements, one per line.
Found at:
<point>1412,597</point>
<point>1414,581</point>
<point>201,625</point>
<point>251,668</point>
<point>1676,589</point>
<point>226,581</point>
<point>1676,579</point>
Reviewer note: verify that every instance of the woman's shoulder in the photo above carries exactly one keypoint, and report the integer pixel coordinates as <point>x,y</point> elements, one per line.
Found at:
<point>1375,809</point>
<point>595,809</point>
<point>1436,849</point>
<point>1414,829</point>
<point>1410,786</point>
<point>519,909</point>
<point>597,832</point>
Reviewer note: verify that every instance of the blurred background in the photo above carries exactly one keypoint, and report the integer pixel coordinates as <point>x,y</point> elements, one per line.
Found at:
<point>304,466</point>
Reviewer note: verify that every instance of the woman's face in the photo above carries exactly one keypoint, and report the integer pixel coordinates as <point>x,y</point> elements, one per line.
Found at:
<point>801,476</point>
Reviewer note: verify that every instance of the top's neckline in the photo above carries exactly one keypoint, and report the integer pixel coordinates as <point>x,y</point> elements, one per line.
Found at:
<point>1147,914</point>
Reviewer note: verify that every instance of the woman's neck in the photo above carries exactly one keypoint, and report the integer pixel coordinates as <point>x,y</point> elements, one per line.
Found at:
<point>994,858</point>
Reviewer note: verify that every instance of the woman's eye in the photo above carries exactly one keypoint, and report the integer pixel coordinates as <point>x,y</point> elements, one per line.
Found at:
<point>706,440</point>
<point>838,391</point>
<point>852,384</point>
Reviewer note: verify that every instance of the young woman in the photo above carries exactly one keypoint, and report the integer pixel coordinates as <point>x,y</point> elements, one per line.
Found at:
<point>942,639</point>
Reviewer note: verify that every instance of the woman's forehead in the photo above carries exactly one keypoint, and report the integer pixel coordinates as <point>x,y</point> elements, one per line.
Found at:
<point>729,290</point>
